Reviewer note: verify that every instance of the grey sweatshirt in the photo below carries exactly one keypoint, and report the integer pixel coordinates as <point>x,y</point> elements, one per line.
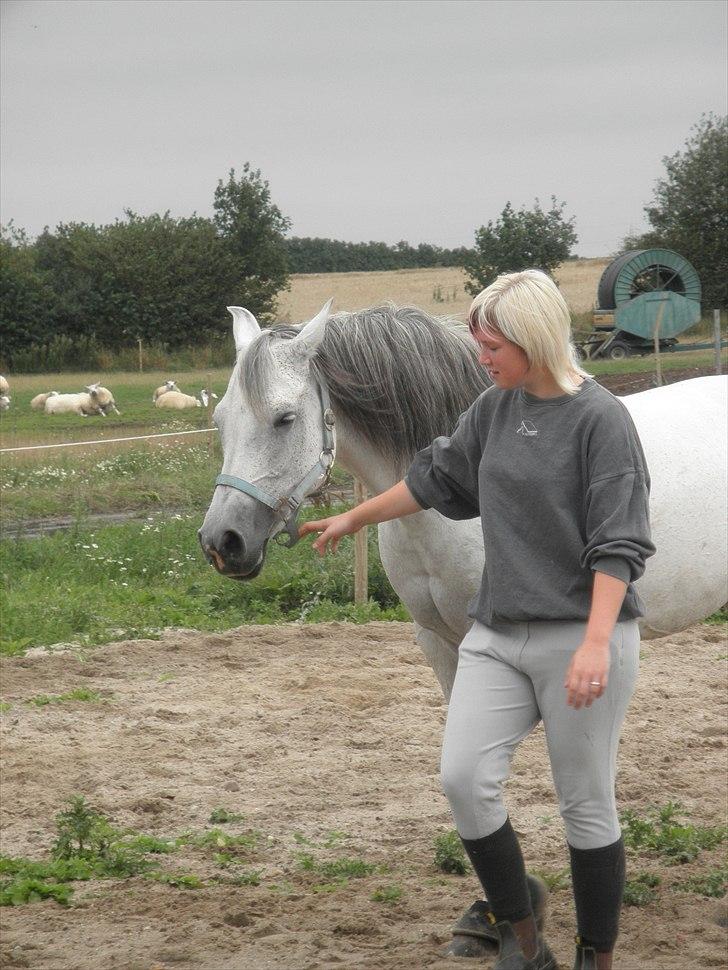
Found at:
<point>561,486</point>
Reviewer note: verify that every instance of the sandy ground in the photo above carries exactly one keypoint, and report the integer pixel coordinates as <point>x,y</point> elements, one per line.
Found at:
<point>309,731</point>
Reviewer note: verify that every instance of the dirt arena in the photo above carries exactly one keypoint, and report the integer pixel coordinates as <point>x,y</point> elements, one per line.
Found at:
<point>327,739</point>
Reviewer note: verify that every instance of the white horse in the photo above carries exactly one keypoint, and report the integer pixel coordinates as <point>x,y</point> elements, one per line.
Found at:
<point>374,387</point>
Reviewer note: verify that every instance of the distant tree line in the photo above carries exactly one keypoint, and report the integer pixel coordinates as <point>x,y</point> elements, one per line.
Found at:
<point>312,255</point>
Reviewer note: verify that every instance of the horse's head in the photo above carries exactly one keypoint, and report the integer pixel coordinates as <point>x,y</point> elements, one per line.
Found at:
<point>276,431</point>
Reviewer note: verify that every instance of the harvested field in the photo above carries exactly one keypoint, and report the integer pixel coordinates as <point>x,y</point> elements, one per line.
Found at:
<point>326,738</point>
<point>439,291</point>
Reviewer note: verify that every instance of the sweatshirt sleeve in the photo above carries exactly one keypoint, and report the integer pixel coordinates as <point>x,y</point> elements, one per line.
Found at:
<point>444,476</point>
<point>617,518</point>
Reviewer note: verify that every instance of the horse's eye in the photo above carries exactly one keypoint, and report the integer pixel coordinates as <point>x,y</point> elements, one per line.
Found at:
<point>284,419</point>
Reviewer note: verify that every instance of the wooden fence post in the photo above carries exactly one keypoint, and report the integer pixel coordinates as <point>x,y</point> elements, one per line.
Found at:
<point>208,410</point>
<point>716,334</point>
<point>141,367</point>
<point>361,565</point>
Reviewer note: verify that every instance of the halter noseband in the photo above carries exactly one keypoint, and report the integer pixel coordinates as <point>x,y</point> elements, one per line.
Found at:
<point>286,508</point>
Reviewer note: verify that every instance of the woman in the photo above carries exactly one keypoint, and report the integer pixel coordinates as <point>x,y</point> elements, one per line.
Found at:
<point>552,463</point>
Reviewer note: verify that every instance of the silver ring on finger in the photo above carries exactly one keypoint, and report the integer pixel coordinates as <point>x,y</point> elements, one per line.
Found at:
<point>595,683</point>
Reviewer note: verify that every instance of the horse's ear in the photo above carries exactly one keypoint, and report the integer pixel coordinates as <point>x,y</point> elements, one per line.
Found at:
<point>312,334</point>
<point>245,327</point>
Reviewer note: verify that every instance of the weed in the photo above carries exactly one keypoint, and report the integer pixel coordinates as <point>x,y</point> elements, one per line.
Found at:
<point>334,838</point>
<point>554,880</point>
<point>221,816</point>
<point>641,890</point>
<point>87,846</point>
<point>336,872</point>
<point>713,883</point>
<point>5,707</point>
<point>387,894</point>
<point>660,832</point>
<point>79,694</point>
<point>450,854</point>
<point>346,869</point>
<point>180,880</point>
<point>150,844</point>
<point>27,890</point>
<point>248,877</point>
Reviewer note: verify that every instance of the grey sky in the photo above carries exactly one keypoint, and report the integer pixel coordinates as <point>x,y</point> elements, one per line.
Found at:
<point>371,120</point>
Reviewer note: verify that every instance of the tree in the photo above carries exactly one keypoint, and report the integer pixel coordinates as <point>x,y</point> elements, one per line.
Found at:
<point>156,277</point>
<point>689,211</point>
<point>252,229</point>
<point>527,239</point>
<point>26,299</point>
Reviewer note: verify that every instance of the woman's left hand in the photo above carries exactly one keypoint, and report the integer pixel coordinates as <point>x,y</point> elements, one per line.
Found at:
<point>588,674</point>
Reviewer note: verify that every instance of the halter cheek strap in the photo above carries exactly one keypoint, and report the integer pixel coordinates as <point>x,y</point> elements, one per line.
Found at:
<point>286,508</point>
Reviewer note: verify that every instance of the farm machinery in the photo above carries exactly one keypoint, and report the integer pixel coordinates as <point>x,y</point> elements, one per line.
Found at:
<point>645,298</point>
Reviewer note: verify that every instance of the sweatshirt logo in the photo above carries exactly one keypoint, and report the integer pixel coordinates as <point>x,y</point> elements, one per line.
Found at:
<point>527,428</point>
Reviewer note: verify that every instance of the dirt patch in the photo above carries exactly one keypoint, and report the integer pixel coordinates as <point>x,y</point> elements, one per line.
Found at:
<point>621,384</point>
<point>309,731</point>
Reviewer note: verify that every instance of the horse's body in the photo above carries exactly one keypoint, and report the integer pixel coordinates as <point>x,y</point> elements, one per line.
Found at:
<point>270,422</point>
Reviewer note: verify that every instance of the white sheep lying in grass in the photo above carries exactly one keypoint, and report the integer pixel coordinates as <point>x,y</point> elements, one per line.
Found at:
<point>94,400</point>
<point>4,387</point>
<point>164,389</point>
<point>177,401</point>
<point>5,400</point>
<point>38,402</point>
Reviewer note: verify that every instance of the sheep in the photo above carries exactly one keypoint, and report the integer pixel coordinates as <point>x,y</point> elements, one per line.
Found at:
<point>5,400</point>
<point>177,401</point>
<point>38,402</point>
<point>94,400</point>
<point>163,389</point>
<point>103,399</point>
<point>4,386</point>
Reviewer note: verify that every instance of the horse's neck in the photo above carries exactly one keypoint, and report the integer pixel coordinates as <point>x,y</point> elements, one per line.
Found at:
<point>362,460</point>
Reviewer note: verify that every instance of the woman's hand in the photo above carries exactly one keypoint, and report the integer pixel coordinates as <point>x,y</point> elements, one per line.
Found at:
<point>588,674</point>
<point>331,530</point>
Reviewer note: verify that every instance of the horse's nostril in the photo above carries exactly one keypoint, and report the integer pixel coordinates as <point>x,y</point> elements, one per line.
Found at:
<point>231,546</point>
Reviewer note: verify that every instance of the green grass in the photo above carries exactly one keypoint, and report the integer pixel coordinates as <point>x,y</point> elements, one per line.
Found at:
<point>163,473</point>
<point>664,832</point>
<point>712,884</point>
<point>674,360</point>
<point>79,694</point>
<point>641,890</point>
<point>387,894</point>
<point>129,581</point>
<point>449,853</point>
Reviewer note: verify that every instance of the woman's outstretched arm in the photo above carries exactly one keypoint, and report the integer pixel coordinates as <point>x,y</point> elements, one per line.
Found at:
<point>392,504</point>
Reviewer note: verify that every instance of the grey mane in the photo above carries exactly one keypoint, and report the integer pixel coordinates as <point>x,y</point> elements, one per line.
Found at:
<point>400,376</point>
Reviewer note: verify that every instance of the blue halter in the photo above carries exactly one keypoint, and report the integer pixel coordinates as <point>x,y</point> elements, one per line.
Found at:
<point>286,508</point>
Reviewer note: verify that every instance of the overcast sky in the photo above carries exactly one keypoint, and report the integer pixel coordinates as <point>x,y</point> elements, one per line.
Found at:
<point>370,119</point>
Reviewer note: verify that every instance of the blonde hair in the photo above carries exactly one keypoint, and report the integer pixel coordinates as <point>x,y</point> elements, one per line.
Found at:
<point>528,309</point>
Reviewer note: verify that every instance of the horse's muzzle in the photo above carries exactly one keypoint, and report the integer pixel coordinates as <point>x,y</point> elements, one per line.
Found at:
<point>228,555</point>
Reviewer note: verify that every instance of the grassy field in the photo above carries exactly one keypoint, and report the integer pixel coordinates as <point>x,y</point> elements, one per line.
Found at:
<point>161,474</point>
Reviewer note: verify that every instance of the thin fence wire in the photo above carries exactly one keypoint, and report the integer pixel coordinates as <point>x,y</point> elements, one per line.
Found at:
<point>107,441</point>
